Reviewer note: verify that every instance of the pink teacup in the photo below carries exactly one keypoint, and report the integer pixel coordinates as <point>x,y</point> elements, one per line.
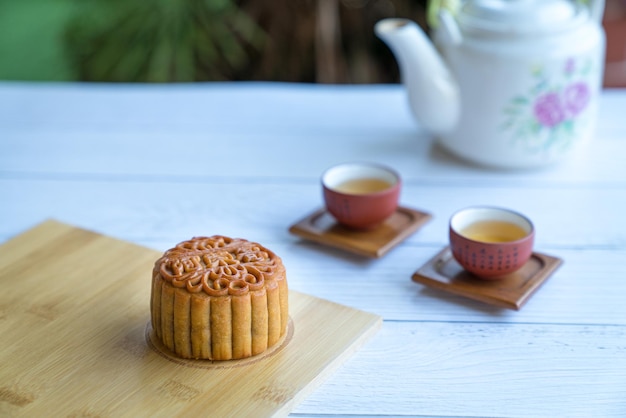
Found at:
<point>491,242</point>
<point>361,195</point>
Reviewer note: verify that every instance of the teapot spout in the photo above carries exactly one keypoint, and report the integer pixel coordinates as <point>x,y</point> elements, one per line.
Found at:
<point>433,92</point>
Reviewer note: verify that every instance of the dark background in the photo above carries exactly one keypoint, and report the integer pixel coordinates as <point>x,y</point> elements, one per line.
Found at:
<point>327,41</point>
<point>316,41</point>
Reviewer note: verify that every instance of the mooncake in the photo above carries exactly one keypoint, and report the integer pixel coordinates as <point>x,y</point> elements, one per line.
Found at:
<point>219,298</point>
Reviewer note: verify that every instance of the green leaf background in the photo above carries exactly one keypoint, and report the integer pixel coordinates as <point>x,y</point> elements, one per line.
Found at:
<point>196,40</point>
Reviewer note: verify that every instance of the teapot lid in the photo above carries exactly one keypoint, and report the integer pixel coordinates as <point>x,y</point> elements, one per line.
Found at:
<point>518,17</point>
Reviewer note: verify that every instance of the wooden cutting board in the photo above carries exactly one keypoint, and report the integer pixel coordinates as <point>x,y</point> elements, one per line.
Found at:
<point>74,321</point>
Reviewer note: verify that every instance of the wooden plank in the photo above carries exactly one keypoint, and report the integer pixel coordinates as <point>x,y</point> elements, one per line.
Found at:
<point>593,250</point>
<point>75,307</point>
<point>135,127</point>
<point>435,369</point>
<point>137,210</point>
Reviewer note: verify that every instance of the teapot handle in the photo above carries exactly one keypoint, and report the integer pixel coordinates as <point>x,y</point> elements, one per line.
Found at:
<point>596,9</point>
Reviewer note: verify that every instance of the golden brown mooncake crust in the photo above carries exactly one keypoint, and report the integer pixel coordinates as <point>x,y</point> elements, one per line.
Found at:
<point>219,298</point>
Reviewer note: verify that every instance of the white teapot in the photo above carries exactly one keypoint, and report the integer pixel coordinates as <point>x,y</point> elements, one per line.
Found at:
<point>513,84</point>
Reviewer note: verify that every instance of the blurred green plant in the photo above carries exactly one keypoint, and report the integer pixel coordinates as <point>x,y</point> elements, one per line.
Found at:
<point>329,41</point>
<point>433,7</point>
<point>31,40</point>
<point>160,40</point>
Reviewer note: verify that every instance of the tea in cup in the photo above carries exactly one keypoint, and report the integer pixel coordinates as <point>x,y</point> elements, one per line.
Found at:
<point>491,242</point>
<point>361,195</point>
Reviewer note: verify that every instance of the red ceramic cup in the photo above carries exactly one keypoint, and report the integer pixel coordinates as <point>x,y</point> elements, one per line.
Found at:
<point>491,242</point>
<point>361,195</point>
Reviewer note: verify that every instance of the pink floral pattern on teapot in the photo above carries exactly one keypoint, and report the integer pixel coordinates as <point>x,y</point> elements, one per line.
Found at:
<point>546,118</point>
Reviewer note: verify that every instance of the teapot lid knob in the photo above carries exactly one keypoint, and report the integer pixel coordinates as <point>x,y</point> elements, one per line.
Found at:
<point>521,16</point>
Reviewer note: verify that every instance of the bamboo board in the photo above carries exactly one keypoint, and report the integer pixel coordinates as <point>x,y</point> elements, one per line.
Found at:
<point>74,320</point>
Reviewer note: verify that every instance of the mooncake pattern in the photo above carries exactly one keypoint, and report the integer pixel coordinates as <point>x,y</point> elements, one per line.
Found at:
<point>219,298</point>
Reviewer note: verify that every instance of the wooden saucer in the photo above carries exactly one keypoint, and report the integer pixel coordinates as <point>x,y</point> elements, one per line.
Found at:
<point>321,227</point>
<point>511,292</point>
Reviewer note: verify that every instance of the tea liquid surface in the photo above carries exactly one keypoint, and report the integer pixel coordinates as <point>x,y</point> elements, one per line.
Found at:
<point>494,231</point>
<point>362,186</point>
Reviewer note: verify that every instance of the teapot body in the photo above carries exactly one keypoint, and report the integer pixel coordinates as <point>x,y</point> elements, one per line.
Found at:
<point>525,101</point>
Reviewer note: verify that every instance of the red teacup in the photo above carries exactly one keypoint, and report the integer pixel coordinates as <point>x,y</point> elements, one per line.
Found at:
<point>491,242</point>
<point>361,195</point>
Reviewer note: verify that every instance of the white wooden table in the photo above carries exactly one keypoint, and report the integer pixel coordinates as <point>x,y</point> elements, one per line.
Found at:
<point>155,165</point>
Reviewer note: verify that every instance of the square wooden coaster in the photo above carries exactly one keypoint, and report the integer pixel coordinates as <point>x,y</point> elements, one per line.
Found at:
<point>321,227</point>
<point>443,272</point>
